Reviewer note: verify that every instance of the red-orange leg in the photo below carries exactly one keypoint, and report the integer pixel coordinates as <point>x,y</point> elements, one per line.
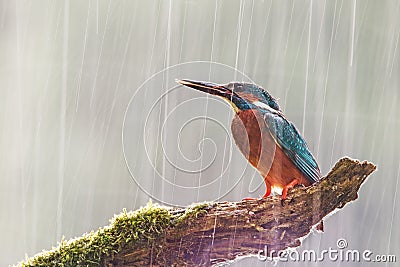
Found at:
<point>287,187</point>
<point>267,192</point>
<point>268,189</point>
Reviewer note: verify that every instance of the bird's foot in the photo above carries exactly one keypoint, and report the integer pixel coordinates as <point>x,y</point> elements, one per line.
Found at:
<point>267,193</point>
<point>254,198</point>
<point>286,188</point>
<point>249,198</point>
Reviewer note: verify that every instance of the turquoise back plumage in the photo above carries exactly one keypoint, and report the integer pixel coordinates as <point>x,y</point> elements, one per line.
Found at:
<point>292,143</point>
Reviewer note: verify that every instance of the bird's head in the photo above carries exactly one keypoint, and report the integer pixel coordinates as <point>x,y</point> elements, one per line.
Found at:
<point>241,96</point>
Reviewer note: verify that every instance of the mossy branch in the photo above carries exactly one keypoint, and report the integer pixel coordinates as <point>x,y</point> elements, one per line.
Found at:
<point>210,233</point>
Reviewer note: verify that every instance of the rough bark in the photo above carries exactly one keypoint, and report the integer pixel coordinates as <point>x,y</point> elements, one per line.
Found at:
<point>221,232</point>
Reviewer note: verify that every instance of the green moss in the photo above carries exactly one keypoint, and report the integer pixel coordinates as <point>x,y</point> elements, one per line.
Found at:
<point>127,228</point>
<point>193,212</point>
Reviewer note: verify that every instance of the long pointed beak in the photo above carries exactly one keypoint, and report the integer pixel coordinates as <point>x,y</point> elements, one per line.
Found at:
<point>208,87</point>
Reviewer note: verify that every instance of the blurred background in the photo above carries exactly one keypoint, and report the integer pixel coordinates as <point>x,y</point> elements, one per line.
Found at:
<point>92,121</point>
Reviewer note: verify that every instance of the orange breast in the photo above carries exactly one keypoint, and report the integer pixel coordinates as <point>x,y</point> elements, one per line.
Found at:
<point>258,146</point>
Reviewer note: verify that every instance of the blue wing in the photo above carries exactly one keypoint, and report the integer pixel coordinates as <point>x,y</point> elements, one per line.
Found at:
<point>292,144</point>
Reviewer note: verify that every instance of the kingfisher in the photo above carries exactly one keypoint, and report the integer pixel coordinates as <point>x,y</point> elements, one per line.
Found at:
<point>268,140</point>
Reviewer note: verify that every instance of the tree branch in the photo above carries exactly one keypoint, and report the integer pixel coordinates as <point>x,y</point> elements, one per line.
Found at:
<point>212,233</point>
